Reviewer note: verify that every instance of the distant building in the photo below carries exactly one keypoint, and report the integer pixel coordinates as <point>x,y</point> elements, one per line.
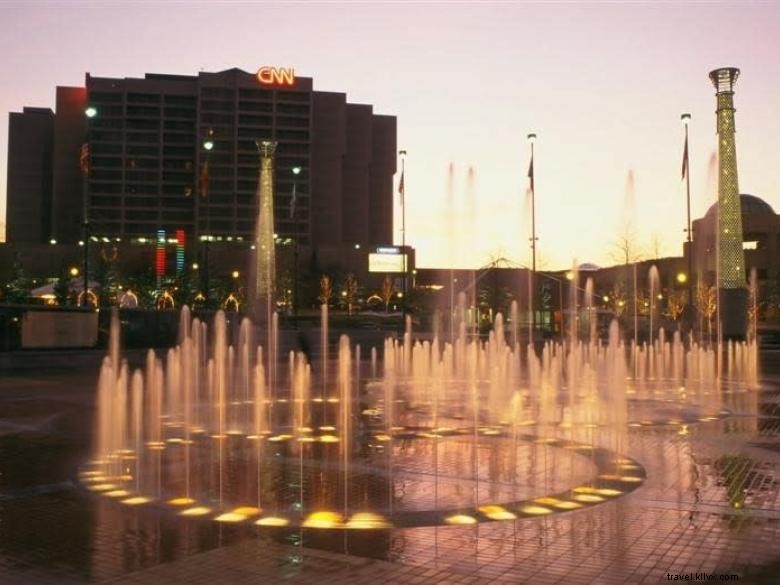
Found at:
<point>149,171</point>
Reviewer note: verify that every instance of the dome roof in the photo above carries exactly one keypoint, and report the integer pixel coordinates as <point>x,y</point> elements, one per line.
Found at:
<point>588,267</point>
<point>751,205</point>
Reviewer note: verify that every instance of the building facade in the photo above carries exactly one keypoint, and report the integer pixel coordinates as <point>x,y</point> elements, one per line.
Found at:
<point>148,170</point>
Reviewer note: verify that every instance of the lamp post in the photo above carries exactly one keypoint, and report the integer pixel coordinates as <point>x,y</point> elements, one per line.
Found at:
<point>295,171</point>
<point>531,140</point>
<point>405,256</point>
<point>208,145</point>
<point>686,118</point>
<point>90,113</point>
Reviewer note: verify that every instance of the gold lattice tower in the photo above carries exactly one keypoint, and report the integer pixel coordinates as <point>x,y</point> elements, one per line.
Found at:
<point>731,257</point>
<point>265,257</point>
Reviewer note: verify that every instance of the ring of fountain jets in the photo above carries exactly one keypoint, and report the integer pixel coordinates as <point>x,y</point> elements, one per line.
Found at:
<point>434,433</point>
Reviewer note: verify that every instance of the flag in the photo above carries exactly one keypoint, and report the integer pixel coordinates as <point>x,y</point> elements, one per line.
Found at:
<point>204,180</point>
<point>292,202</point>
<point>84,159</point>
<point>531,173</point>
<point>401,187</point>
<point>685,158</point>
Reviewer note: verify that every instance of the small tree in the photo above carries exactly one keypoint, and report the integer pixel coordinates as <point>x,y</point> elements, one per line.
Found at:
<point>350,288</point>
<point>326,290</point>
<point>19,288</point>
<point>707,304</point>
<point>387,291</point>
<point>675,305</point>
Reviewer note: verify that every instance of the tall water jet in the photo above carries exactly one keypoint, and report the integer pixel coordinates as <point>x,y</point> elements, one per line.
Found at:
<point>655,286</point>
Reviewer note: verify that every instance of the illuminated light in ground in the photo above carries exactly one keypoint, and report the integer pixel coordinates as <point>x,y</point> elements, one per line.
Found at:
<point>547,501</point>
<point>103,487</point>
<point>544,440</point>
<point>136,501</point>
<point>92,473</point>
<point>497,513</point>
<point>566,505</point>
<point>255,437</point>
<point>316,400</point>
<point>584,489</point>
<point>629,466</point>
<point>535,510</point>
<point>95,479</point>
<point>197,430</point>
<point>370,412</point>
<point>398,428</point>
<point>333,400</point>
<point>117,493</point>
<point>174,440</point>
<point>282,401</point>
<point>126,452</point>
<point>609,477</point>
<point>608,492</point>
<point>634,424</point>
<point>382,437</point>
<point>230,518</point>
<point>305,429</point>
<point>708,418</point>
<point>196,511</point>
<point>460,520</point>
<point>155,445</point>
<point>429,435</point>
<point>181,501</point>
<point>588,498</point>
<point>329,439</point>
<point>683,430</point>
<point>324,520</point>
<point>278,438</point>
<point>246,511</point>
<point>219,437</point>
<point>306,439</point>
<point>367,521</point>
<point>491,432</point>
<point>234,433</point>
<point>630,479</point>
<point>125,477</point>
<point>565,425</point>
<point>444,430</point>
<point>328,429</point>
<point>272,521</point>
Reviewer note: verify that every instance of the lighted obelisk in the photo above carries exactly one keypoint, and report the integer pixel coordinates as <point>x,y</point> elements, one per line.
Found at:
<point>263,284</point>
<point>732,290</point>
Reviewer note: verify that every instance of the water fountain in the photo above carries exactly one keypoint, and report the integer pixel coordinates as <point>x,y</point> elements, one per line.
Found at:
<point>432,433</point>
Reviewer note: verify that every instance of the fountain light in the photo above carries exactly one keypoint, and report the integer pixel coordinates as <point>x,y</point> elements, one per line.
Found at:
<point>117,493</point>
<point>497,513</point>
<point>195,511</point>
<point>230,518</point>
<point>102,487</point>
<point>247,511</point>
<point>367,521</point>
<point>324,519</point>
<point>136,501</point>
<point>329,439</point>
<point>608,492</point>
<point>460,520</point>
<point>588,498</point>
<point>272,521</point>
<point>556,503</point>
<point>531,510</point>
<point>183,501</point>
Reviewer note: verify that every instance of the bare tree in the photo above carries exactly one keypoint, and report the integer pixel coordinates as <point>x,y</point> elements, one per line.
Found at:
<point>675,304</point>
<point>625,247</point>
<point>326,289</point>
<point>387,291</point>
<point>707,304</point>
<point>350,291</point>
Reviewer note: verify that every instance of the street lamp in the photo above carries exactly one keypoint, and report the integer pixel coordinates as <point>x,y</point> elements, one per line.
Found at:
<point>74,271</point>
<point>90,112</point>
<point>208,145</point>
<point>296,170</point>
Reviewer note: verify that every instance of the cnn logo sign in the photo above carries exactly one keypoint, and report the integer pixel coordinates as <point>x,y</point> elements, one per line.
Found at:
<point>276,75</point>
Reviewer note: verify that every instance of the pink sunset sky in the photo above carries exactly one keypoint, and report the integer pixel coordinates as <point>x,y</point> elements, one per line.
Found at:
<point>602,84</point>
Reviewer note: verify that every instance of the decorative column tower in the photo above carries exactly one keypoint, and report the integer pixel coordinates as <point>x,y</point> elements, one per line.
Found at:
<point>262,296</point>
<point>732,291</point>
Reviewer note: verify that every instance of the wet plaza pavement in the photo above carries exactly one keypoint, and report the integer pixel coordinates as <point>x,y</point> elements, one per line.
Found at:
<point>709,505</point>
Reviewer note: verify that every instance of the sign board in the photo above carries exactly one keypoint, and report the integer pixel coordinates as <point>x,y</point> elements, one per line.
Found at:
<point>276,75</point>
<point>386,262</point>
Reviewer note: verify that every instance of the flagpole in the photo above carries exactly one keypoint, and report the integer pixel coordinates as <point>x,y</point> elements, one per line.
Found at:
<point>531,304</point>
<point>686,162</point>
<point>404,255</point>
